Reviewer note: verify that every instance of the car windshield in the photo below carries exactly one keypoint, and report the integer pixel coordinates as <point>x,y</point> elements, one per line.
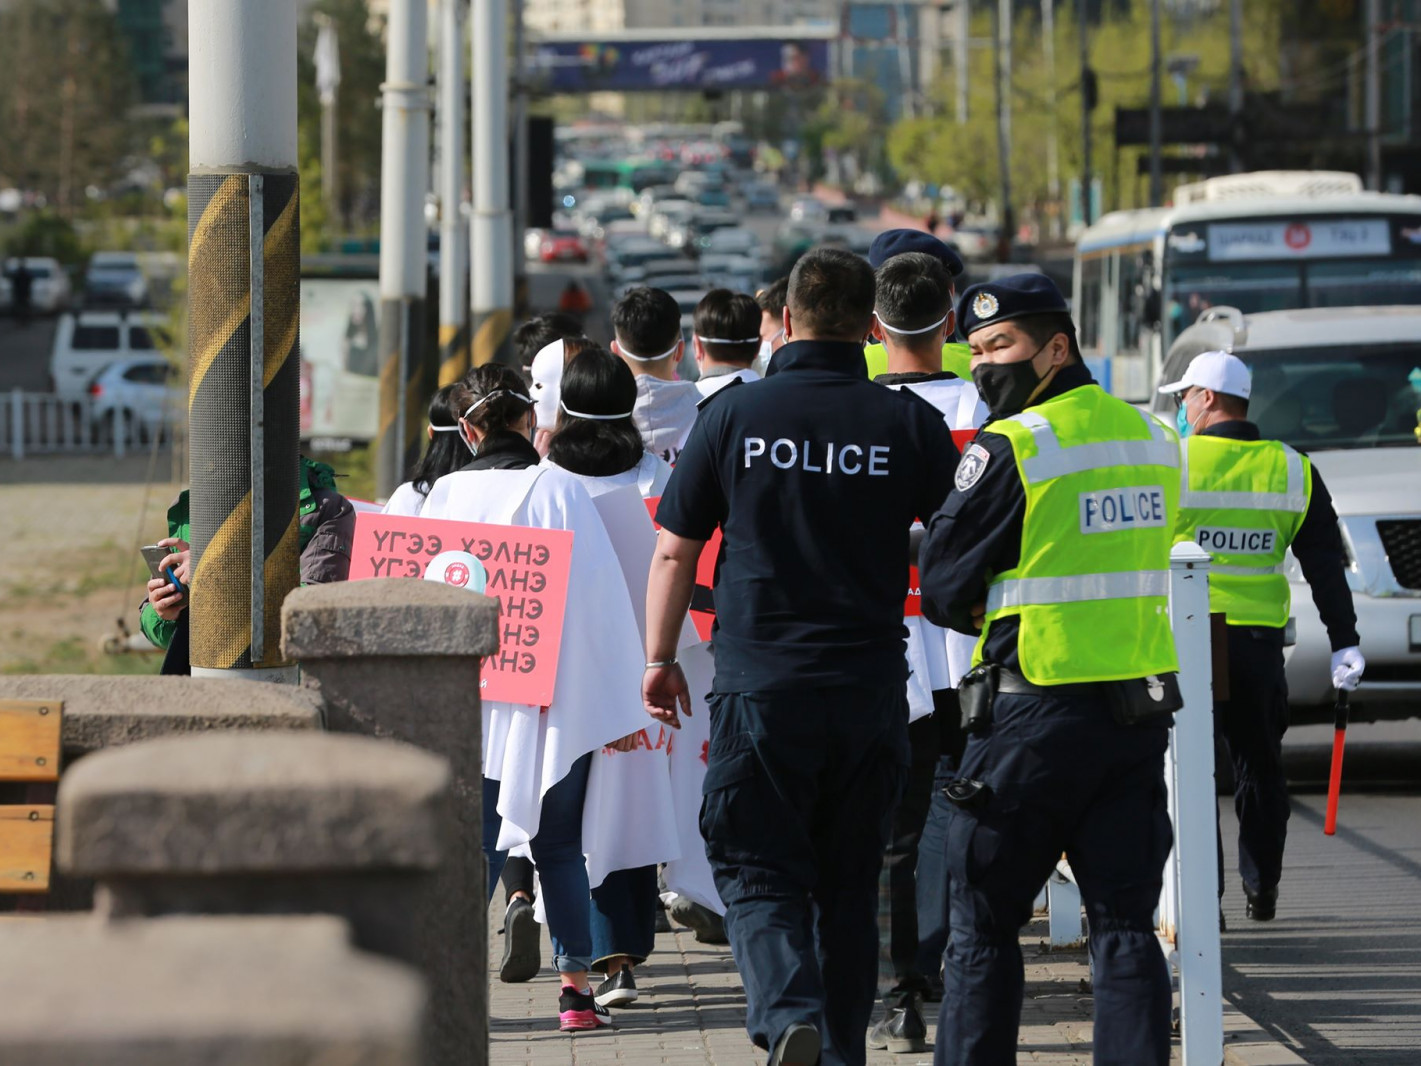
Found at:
<point>1315,398</point>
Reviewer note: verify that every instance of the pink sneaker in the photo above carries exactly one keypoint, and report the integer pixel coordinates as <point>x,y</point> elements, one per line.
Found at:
<point>578,1011</point>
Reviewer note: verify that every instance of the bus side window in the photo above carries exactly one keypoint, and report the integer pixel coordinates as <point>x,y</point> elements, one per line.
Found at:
<point>1088,314</point>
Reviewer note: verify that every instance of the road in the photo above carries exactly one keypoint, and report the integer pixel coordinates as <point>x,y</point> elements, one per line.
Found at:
<point>24,354</point>
<point>1337,976</point>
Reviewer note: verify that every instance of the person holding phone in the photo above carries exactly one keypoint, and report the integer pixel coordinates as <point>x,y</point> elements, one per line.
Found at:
<point>327,527</point>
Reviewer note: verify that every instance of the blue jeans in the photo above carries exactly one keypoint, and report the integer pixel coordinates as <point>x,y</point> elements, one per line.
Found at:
<point>624,916</point>
<point>799,793</point>
<point>557,852</point>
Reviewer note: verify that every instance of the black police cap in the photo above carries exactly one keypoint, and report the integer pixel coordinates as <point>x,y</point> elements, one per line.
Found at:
<point>900,241</point>
<point>1012,297</point>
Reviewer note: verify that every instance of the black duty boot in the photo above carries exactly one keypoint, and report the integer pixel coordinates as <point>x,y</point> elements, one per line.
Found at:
<point>902,1032</point>
<point>1263,906</point>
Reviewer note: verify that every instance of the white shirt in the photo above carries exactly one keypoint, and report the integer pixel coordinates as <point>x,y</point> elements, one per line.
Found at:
<point>709,386</point>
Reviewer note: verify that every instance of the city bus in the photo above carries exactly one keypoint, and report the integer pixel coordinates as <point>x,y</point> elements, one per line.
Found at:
<point>1267,241</point>
<point>633,175</point>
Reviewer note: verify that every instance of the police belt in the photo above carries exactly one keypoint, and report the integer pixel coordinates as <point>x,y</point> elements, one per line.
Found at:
<point>1010,684</point>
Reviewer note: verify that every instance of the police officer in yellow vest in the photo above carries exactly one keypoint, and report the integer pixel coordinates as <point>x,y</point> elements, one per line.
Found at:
<point>1054,546</point>
<point>1246,501</point>
<point>956,358</point>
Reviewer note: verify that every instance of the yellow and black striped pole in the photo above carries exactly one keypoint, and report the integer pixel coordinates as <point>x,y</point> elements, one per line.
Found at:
<point>244,267</point>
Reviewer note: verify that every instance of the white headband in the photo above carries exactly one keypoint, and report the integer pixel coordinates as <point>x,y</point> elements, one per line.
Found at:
<point>595,418</point>
<point>650,358</point>
<point>911,332</point>
<point>444,429</point>
<point>496,392</point>
<point>721,340</point>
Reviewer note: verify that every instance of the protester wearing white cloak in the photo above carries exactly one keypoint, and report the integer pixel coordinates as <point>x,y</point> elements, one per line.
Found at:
<point>526,750</point>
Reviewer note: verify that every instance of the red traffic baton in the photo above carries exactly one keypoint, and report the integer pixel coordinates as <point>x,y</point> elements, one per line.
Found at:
<point>1339,742</point>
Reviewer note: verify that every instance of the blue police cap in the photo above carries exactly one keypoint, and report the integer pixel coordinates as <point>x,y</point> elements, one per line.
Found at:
<point>898,241</point>
<point>1012,297</point>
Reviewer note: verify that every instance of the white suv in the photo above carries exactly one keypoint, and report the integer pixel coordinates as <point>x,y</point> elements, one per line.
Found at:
<point>139,395</point>
<point>87,342</point>
<point>1343,386</point>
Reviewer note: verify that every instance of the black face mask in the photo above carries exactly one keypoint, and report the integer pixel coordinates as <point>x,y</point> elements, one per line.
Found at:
<point>1005,387</point>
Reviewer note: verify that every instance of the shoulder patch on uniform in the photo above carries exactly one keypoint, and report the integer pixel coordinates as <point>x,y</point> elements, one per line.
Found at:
<point>701,403</point>
<point>973,465</point>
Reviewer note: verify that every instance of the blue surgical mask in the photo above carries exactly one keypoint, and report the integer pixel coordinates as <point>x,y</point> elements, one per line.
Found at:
<point>1181,419</point>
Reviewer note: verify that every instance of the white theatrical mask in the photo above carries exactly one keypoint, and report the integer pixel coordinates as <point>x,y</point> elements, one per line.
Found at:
<point>547,384</point>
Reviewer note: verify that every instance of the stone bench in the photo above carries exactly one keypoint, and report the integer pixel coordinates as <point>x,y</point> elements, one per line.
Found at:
<point>185,991</point>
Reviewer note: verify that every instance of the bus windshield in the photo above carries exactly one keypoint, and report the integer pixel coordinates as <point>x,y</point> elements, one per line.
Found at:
<point>1281,264</point>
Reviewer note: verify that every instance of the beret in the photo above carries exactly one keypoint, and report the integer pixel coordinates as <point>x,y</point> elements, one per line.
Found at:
<point>899,241</point>
<point>1011,297</point>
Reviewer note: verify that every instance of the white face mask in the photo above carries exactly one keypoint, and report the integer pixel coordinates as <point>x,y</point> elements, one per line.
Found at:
<point>547,384</point>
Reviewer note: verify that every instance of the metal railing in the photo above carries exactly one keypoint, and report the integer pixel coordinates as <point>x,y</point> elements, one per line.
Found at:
<point>41,423</point>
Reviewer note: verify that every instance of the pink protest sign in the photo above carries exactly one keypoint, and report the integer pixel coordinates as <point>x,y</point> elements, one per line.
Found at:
<point>527,573</point>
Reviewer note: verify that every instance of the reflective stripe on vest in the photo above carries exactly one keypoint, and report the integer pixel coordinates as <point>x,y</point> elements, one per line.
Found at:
<point>1294,498</point>
<point>1052,460</point>
<point>1246,528</point>
<point>1091,587</point>
<point>1036,591</point>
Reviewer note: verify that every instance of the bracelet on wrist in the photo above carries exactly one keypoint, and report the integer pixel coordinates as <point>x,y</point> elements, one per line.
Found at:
<point>660,663</point>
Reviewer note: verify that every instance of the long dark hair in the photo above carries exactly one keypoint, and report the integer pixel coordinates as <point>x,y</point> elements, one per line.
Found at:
<point>498,397</point>
<point>445,452</point>
<point>595,382</point>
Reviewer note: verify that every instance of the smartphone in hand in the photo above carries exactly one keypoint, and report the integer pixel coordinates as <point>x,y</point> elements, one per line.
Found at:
<point>157,558</point>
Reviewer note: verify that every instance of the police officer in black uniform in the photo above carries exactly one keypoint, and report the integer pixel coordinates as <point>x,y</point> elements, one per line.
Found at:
<point>1049,766</point>
<point>814,475</point>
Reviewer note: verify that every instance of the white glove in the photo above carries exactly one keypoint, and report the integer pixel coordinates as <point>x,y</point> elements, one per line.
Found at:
<point>1347,667</point>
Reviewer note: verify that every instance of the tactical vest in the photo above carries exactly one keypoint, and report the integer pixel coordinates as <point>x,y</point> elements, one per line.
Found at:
<point>956,358</point>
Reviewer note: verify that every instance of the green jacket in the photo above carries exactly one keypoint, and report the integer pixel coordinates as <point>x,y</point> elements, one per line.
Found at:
<point>327,523</point>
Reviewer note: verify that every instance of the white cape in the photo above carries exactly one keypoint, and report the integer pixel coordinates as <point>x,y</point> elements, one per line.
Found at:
<point>632,817</point>
<point>598,691</point>
<point>937,657</point>
<point>405,500</point>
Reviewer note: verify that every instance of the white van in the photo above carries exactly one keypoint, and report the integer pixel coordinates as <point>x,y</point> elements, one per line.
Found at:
<point>87,342</point>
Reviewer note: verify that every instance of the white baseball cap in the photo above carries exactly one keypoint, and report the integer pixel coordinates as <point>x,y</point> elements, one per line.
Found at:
<point>1217,372</point>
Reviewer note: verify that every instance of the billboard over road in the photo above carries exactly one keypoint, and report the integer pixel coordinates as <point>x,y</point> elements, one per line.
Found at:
<point>690,65</point>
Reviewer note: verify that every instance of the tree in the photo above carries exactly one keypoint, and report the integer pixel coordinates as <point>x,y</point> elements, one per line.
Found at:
<point>63,99</point>
<point>362,70</point>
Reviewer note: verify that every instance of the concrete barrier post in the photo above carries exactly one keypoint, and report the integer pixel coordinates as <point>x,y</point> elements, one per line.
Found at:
<point>178,991</point>
<point>1189,907</point>
<point>249,823</point>
<point>399,658</point>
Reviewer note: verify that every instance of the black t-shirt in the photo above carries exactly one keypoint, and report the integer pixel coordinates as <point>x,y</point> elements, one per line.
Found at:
<point>814,475</point>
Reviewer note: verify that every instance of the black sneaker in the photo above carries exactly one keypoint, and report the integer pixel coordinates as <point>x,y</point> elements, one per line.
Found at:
<point>704,922</point>
<point>663,923</point>
<point>619,990</point>
<point>1262,907</point>
<point>902,1032</point>
<point>522,943</point>
<point>934,991</point>
<point>799,1046</point>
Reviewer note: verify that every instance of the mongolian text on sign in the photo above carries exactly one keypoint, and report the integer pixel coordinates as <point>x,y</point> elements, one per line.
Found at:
<point>527,573</point>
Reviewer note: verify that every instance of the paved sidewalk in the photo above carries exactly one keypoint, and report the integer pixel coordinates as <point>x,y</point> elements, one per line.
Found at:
<point>691,1013</point>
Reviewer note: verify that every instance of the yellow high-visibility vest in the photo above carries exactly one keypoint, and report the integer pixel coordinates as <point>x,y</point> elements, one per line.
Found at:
<point>1243,502</point>
<point>1091,590</point>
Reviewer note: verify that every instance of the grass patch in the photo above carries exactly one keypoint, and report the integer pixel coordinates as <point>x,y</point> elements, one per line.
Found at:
<point>75,656</point>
